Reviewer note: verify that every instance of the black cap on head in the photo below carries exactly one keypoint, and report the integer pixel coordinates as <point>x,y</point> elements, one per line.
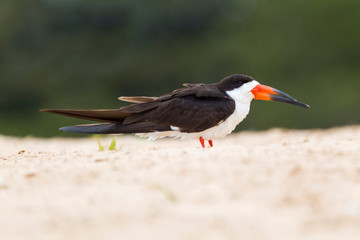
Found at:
<point>233,81</point>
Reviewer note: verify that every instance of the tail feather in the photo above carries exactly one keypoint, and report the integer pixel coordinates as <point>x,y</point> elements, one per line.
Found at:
<point>116,128</point>
<point>94,115</point>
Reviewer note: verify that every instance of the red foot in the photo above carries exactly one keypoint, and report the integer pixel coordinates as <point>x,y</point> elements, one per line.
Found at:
<point>202,141</point>
<point>211,143</point>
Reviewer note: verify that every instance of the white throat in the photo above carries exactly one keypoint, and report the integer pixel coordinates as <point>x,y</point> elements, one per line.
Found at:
<point>243,95</point>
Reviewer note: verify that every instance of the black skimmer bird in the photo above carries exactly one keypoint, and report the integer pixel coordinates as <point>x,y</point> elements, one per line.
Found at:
<point>201,111</point>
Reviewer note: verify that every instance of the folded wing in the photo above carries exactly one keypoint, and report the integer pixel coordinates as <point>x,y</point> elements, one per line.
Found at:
<point>192,109</point>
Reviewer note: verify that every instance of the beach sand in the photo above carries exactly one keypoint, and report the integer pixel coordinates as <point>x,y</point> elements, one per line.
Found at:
<point>276,184</point>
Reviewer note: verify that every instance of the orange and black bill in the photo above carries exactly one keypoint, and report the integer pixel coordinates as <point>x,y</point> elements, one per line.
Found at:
<point>262,92</point>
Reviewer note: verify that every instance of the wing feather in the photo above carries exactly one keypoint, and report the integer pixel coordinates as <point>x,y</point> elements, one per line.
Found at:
<point>114,115</point>
<point>189,114</point>
<point>140,99</point>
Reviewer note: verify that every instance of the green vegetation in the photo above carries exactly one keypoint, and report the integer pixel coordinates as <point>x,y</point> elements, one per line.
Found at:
<point>101,148</point>
<point>113,144</point>
<point>84,54</point>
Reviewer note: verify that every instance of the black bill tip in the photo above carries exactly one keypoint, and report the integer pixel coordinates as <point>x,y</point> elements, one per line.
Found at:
<point>283,97</point>
<point>287,99</point>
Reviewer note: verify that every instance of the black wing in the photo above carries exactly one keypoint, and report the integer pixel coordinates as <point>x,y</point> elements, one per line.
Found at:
<point>192,114</point>
<point>191,109</point>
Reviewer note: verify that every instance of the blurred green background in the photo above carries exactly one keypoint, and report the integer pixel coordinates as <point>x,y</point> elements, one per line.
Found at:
<point>84,54</point>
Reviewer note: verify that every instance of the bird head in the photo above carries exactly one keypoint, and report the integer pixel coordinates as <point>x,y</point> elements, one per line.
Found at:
<point>244,88</point>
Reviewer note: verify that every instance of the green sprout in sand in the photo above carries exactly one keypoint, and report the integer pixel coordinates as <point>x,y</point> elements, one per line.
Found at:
<point>101,148</point>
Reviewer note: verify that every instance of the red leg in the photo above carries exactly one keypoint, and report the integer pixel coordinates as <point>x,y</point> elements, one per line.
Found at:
<point>202,141</point>
<point>211,143</point>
